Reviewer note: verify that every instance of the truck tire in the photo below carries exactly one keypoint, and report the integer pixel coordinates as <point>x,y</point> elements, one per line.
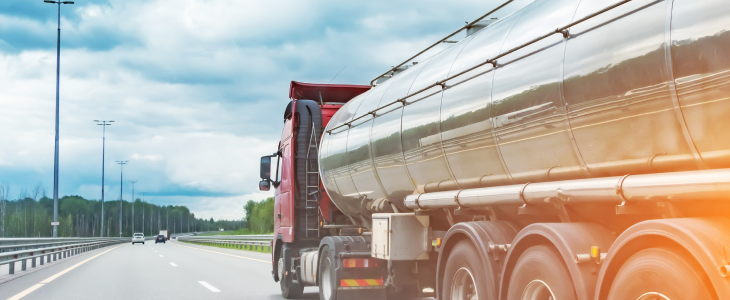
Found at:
<point>660,273</point>
<point>540,274</point>
<point>327,276</point>
<point>464,275</point>
<point>289,290</point>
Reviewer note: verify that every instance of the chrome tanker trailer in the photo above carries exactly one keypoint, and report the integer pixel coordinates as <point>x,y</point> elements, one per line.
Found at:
<point>575,149</point>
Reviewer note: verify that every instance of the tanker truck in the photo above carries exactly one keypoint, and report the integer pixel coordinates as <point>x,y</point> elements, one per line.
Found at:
<point>574,149</point>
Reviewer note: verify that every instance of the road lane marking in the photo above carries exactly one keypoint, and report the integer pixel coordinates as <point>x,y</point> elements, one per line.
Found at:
<point>59,274</point>
<point>265,261</point>
<point>161,256</point>
<point>210,287</point>
<point>173,264</point>
<point>26,292</point>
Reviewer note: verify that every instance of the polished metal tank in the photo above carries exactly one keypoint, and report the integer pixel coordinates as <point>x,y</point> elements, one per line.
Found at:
<point>643,88</point>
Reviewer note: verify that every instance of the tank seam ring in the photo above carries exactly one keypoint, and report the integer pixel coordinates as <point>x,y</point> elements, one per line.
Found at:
<point>418,203</point>
<point>619,187</point>
<point>522,192</point>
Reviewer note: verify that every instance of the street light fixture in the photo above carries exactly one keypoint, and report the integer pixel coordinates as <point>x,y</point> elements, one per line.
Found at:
<point>55,156</point>
<point>121,163</point>
<point>103,124</point>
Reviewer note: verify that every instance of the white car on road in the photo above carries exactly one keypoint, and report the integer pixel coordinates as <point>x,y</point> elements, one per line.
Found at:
<point>138,238</point>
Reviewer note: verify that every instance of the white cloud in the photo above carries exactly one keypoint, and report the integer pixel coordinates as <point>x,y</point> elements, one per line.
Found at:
<point>196,87</point>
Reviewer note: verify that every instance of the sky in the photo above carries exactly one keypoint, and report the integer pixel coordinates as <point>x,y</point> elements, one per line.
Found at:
<point>197,88</point>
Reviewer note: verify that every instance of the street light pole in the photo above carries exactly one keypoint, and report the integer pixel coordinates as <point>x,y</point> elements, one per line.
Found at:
<point>121,186</point>
<point>133,182</point>
<point>143,212</point>
<point>55,153</point>
<point>103,124</point>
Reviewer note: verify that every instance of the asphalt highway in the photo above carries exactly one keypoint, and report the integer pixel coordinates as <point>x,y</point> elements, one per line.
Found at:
<point>173,270</point>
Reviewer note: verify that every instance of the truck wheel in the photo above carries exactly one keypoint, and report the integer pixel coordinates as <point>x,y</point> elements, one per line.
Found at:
<point>540,274</point>
<point>660,274</point>
<point>289,290</point>
<point>327,276</point>
<point>464,277</point>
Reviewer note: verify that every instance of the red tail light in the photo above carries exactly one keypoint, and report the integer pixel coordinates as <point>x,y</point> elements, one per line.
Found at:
<point>359,263</point>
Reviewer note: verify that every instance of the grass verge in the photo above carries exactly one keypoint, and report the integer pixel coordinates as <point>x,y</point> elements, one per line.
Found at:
<point>242,231</point>
<point>262,249</point>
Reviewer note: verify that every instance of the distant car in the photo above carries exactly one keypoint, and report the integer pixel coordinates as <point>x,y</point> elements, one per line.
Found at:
<point>138,238</point>
<point>160,239</point>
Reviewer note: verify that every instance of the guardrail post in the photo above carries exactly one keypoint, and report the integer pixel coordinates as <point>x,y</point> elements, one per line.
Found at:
<point>54,255</point>
<point>11,268</point>
<point>32,262</point>
<point>23,265</point>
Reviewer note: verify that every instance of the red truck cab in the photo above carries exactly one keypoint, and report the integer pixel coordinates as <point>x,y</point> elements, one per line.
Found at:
<point>301,206</point>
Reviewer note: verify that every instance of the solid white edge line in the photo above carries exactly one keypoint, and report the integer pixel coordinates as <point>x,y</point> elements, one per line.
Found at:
<point>210,287</point>
<point>49,279</point>
<point>26,292</point>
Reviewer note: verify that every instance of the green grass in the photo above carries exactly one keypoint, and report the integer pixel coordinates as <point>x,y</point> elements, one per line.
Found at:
<point>236,247</point>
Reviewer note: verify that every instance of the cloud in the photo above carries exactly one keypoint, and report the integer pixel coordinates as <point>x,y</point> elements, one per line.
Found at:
<point>197,88</point>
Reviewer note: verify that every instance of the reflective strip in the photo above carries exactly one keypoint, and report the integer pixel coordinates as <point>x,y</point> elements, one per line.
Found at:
<point>361,282</point>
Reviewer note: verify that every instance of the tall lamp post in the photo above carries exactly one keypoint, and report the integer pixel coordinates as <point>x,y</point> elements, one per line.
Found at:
<point>121,185</point>
<point>55,155</point>
<point>143,217</point>
<point>133,182</point>
<point>103,124</point>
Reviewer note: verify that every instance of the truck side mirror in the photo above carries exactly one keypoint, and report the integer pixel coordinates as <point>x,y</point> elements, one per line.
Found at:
<point>266,168</point>
<point>264,185</point>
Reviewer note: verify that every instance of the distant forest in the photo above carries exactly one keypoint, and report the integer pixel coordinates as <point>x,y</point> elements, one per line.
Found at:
<point>31,214</point>
<point>259,216</point>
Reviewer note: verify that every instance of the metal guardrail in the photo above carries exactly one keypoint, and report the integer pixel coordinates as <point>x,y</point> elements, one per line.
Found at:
<point>262,240</point>
<point>45,250</point>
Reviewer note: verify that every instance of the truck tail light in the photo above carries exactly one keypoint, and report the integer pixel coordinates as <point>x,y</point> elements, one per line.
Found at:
<point>359,263</point>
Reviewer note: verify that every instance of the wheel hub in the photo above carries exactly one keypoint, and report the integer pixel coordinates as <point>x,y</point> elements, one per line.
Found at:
<point>463,287</point>
<point>537,290</point>
<point>653,296</point>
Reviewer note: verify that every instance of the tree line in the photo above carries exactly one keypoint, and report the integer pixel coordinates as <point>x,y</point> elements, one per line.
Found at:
<point>259,216</point>
<point>31,214</point>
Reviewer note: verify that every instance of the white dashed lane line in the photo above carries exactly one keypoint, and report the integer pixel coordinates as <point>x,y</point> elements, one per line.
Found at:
<point>210,287</point>
<point>161,256</point>
<point>173,264</point>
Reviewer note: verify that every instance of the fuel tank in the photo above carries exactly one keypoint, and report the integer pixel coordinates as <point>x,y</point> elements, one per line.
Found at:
<point>643,88</point>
